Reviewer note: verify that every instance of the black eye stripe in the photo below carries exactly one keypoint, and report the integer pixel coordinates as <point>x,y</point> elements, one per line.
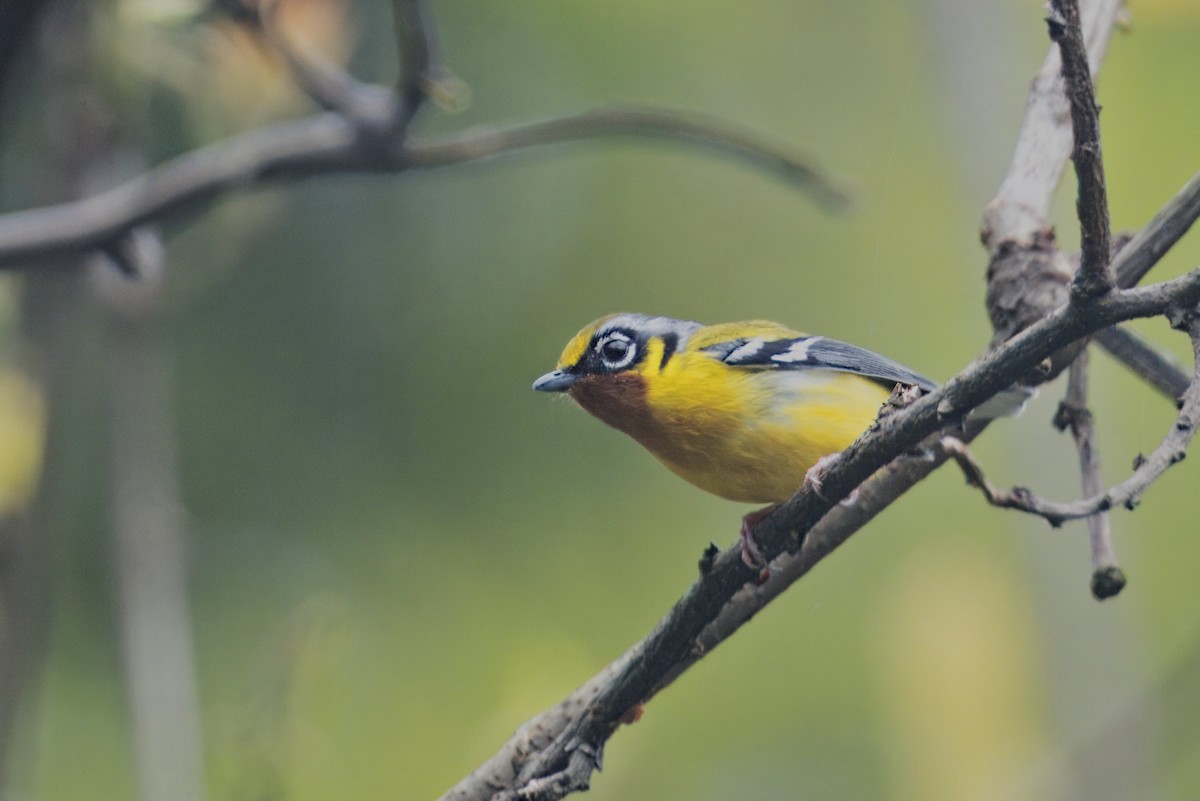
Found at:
<point>670,343</point>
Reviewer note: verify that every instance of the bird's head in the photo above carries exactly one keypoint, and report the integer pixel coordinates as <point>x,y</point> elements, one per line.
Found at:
<point>606,365</point>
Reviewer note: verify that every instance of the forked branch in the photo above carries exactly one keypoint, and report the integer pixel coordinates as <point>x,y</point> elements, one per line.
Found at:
<point>1171,450</point>
<point>364,128</point>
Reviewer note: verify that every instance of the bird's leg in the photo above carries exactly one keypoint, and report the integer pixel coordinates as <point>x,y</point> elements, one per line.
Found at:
<point>751,554</point>
<point>816,473</point>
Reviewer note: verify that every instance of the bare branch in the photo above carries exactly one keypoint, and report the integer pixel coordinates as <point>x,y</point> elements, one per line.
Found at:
<point>536,734</point>
<point>647,122</point>
<point>1167,227</point>
<point>1095,275</point>
<point>320,143</point>
<point>1027,274</point>
<point>1156,368</point>
<point>1073,413</point>
<point>1023,279</point>
<point>1171,450</point>
<point>1019,212</point>
<point>328,142</point>
<point>842,521</point>
<point>1133,261</point>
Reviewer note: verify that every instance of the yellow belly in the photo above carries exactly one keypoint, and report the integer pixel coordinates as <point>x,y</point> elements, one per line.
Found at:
<point>752,435</point>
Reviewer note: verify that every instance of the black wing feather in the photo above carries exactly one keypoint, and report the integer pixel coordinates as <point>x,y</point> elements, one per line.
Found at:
<point>814,352</point>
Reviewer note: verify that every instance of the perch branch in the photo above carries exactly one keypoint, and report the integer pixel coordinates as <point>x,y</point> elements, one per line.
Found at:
<point>835,528</point>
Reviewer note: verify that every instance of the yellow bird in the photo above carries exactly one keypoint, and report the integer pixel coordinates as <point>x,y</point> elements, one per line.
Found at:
<point>741,410</point>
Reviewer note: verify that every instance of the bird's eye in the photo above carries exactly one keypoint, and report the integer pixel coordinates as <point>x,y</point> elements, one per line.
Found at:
<point>616,351</point>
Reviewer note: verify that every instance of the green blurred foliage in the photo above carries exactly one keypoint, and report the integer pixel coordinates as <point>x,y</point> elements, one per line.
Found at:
<point>399,552</point>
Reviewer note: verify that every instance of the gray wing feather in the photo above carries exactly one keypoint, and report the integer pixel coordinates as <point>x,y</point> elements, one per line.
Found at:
<point>813,352</point>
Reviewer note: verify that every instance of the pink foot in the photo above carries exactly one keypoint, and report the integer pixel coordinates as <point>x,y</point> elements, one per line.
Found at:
<point>751,554</point>
<point>815,474</point>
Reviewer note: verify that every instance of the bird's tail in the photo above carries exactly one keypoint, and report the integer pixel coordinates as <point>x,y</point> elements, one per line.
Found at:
<point>1008,403</point>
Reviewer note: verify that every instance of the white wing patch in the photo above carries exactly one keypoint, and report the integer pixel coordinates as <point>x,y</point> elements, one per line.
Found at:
<point>745,350</point>
<point>798,352</point>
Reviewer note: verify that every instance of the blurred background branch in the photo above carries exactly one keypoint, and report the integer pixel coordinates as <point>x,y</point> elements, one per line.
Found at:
<point>150,540</point>
<point>324,372</point>
<point>327,143</point>
<point>364,129</point>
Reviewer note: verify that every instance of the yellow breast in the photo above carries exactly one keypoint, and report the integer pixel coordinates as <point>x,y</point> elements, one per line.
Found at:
<point>750,435</point>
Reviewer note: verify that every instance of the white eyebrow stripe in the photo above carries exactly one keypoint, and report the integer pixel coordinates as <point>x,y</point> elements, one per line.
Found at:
<point>611,335</point>
<point>651,326</point>
<point>798,352</point>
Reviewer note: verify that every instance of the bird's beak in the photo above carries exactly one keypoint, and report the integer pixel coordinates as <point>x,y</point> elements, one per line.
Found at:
<point>556,381</point>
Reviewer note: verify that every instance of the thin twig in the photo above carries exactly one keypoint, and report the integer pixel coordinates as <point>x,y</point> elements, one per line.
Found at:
<point>1171,450</point>
<point>1095,275</point>
<point>328,142</point>
<point>1153,367</point>
<point>1149,245</point>
<point>643,122</point>
<point>1132,262</point>
<point>1073,413</point>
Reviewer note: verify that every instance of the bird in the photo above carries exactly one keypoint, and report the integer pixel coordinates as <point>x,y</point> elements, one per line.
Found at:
<point>748,411</point>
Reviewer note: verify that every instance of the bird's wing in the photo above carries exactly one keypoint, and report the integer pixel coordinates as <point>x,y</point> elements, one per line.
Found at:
<point>814,352</point>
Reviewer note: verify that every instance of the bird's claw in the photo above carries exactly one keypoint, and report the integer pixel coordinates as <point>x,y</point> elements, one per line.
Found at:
<point>815,475</point>
<point>752,555</point>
